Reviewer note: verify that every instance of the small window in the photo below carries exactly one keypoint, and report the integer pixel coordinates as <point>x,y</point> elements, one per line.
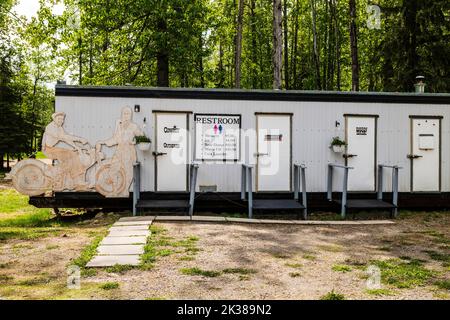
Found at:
<point>426,142</point>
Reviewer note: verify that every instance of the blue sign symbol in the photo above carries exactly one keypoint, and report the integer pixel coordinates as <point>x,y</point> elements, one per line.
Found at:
<point>220,128</point>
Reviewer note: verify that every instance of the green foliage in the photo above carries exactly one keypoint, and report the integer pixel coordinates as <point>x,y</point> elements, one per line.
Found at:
<point>332,296</point>
<point>199,272</point>
<point>379,292</point>
<point>109,285</point>
<point>341,268</point>
<point>239,271</point>
<point>88,252</point>
<point>336,141</point>
<point>403,274</point>
<point>142,139</point>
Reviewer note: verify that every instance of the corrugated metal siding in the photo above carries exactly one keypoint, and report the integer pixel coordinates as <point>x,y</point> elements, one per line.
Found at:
<point>313,127</point>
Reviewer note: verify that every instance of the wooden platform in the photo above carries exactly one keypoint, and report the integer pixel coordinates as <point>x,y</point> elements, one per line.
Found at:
<point>277,204</point>
<point>367,204</point>
<point>162,204</point>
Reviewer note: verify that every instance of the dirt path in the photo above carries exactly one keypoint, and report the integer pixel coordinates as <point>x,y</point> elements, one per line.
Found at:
<point>237,261</point>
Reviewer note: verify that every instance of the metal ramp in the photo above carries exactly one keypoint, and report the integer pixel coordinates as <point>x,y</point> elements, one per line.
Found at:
<point>186,205</point>
<point>274,204</point>
<point>364,204</point>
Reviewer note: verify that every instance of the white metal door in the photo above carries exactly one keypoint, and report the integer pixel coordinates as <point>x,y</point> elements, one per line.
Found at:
<point>273,152</point>
<point>361,144</point>
<point>171,151</point>
<point>425,154</point>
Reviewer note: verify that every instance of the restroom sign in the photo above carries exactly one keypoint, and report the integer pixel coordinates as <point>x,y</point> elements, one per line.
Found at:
<point>217,137</point>
<point>361,131</point>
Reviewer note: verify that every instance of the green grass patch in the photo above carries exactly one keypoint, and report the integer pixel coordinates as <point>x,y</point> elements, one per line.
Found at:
<point>438,256</point>
<point>5,278</point>
<point>109,286</point>
<point>26,233</point>
<point>51,246</point>
<point>239,271</point>
<point>87,254</point>
<point>341,268</point>
<point>308,256</point>
<point>295,274</point>
<point>332,296</point>
<point>403,274</point>
<point>161,245</point>
<point>119,268</point>
<point>294,265</point>
<point>200,272</point>
<point>33,282</point>
<point>379,292</point>
<point>443,284</point>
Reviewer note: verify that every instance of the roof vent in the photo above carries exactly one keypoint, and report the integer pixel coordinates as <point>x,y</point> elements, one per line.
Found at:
<point>420,84</point>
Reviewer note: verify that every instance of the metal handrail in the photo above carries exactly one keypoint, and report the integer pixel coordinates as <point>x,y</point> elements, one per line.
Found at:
<point>300,178</point>
<point>395,169</point>
<point>193,184</point>
<point>136,185</point>
<point>344,185</point>
<point>247,186</point>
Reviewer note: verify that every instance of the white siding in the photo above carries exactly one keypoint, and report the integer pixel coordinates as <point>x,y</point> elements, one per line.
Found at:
<point>313,127</point>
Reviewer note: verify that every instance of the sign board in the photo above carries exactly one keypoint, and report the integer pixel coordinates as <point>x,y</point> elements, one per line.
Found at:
<point>217,137</point>
<point>361,131</point>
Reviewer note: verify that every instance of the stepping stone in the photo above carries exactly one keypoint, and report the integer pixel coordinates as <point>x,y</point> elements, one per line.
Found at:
<point>121,249</point>
<point>109,261</point>
<point>129,233</point>
<point>128,228</point>
<point>142,218</point>
<point>133,223</point>
<point>123,240</point>
<point>173,218</point>
<point>242,220</point>
<point>205,218</point>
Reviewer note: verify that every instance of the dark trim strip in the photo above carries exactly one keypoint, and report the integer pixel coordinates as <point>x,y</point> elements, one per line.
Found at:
<point>361,115</point>
<point>274,114</point>
<point>426,117</point>
<point>170,111</point>
<point>264,95</point>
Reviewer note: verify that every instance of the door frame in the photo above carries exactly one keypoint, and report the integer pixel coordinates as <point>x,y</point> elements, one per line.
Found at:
<point>375,154</point>
<point>286,114</point>
<point>411,137</point>
<point>155,115</point>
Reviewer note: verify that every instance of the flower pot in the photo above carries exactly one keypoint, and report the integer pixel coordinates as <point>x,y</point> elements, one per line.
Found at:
<point>144,146</point>
<point>338,149</point>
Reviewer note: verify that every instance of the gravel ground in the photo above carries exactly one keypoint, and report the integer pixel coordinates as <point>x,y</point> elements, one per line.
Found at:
<point>276,262</point>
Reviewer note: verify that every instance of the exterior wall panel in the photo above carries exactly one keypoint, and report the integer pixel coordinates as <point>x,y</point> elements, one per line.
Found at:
<point>313,126</point>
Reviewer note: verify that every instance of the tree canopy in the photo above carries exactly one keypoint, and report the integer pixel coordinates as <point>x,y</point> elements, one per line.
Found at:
<point>285,44</point>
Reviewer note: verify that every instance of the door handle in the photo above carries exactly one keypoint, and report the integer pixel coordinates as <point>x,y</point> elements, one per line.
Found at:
<point>346,156</point>
<point>156,154</point>
<point>260,154</point>
<point>413,156</point>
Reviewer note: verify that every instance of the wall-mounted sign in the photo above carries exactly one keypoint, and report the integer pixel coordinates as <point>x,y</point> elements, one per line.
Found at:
<point>361,131</point>
<point>273,137</point>
<point>217,137</point>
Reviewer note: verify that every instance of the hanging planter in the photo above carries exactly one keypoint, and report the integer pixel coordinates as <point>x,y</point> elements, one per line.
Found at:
<point>143,143</point>
<point>338,145</point>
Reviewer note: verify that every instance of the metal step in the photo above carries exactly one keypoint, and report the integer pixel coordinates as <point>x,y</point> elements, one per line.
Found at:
<point>367,204</point>
<point>162,204</point>
<point>274,204</point>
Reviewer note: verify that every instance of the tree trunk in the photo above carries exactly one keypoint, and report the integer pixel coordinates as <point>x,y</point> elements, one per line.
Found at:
<point>277,44</point>
<point>162,58</point>
<point>237,57</point>
<point>315,46</point>
<point>354,46</point>
<point>253,40</point>
<point>220,66</point>
<point>337,46</point>
<point>80,61</point>
<point>294,47</point>
<point>286,52</point>
<point>200,62</point>
<point>1,161</point>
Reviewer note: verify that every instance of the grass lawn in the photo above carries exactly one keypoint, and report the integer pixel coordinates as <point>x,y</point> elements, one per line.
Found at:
<point>216,261</point>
